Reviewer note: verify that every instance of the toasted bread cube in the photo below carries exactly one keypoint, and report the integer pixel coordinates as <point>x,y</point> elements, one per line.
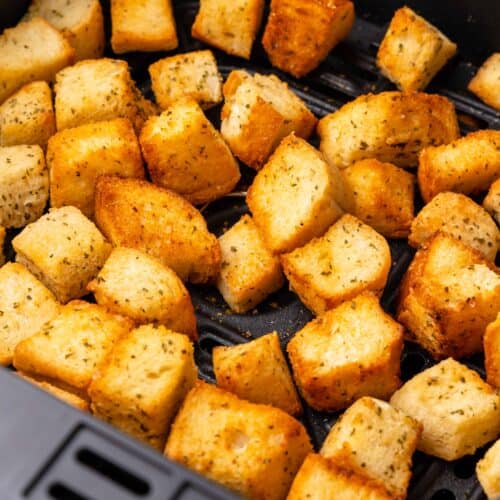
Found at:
<point>69,349</point>
<point>64,250</point>
<point>468,165</point>
<point>25,305</point>
<point>254,450</point>
<point>391,127</point>
<point>492,352</point>
<point>393,436</point>
<point>485,83</point>
<point>134,284</point>
<point>488,472</point>
<point>76,157</point>
<point>137,214</point>
<point>413,51</point>
<point>458,410</point>
<point>491,202</point>
<point>258,112</point>
<point>299,34</point>
<point>143,382</point>
<point>2,241</point>
<point>257,371</point>
<point>381,195</point>
<point>24,185</point>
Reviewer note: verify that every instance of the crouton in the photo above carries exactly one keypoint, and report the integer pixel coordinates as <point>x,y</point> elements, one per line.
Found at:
<point>485,82</point>
<point>468,165</point>
<point>488,472</point>
<point>76,157</point>
<point>413,51</point>
<point>80,21</point>
<point>393,436</point>
<point>391,127</point>
<point>491,202</point>
<point>349,258</point>
<point>193,74</point>
<point>229,26</point>
<point>134,284</point>
<point>33,50</point>
<point>257,371</point>
<point>64,250</point>
<point>25,305</point>
<point>2,241</point>
<point>300,34</point>
<point>458,410</point>
<point>142,384</point>
<point>351,351</point>
<point>381,195</point>
<point>492,352</point>
<point>185,153</point>
<point>136,214</point>
<point>71,347</point>
<point>254,450</point>
<point>258,112</point>
<point>24,185</point>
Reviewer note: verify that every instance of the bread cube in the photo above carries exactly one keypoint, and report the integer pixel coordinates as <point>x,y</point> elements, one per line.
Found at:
<point>485,82</point>
<point>185,153</point>
<point>64,250</point>
<point>468,165</point>
<point>491,202</point>
<point>134,284</point>
<point>488,472</point>
<point>254,450</point>
<point>69,349</point>
<point>76,157</point>
<point>137,214</point>
<point>413,51</point>
<point>391,127</point>
<point>491,344</point>
<point>2,241</point>
<point>258,112</point>
<point>381,195</point>
<point>299,34</point>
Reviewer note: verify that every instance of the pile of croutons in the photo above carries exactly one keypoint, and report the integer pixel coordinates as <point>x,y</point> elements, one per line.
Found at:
<point>123,176</point>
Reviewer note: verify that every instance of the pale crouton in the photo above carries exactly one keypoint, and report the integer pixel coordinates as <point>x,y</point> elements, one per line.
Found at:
<point>193,74</point>
<point>468,165</point>
<point>448,296</point>
<point>64,250</point>
<point>348,259</point>
<point>33,50</point>
<point>381,195</point>
<point>413,51</point>
<point>142,384</point>
<point>229,26</point>
<point>491,344</point>
<point>25,305</point>
<point>488,472</point>
<point>24,185</point>
<point>76,157</point>
<point>136,214</point>
<point>3,232</point>
<point>254,450</point>
<point>458,410</point>
<point>485,83</point>
<point>259,111</point>
<point>391,127</point>
<point>134,284</point>
<point>299,34</point>
<point>257,371</point>
<point>393,437</point>
<point>296,196</point>
<point>491,202</point>
<point>69,349</point>
<point>351,351</point>
<point>185,153</point>
<point>80,21</point>
<point>27,117</point>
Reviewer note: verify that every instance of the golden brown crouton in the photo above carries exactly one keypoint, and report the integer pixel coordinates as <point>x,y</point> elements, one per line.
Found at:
<point>64,250</point>
<point>381,195</point>
<point>143,382</point>
<point>76,157</point>
<point>257,371</point>
<point>458,410</point>
<point>136,214</point>
<point>413,51</point>
<point>491,202</point>
<point>468,165</point>
<point>254,450</point>
<point>390,126</point>
<point>134,284</point>
<point>485,83</point>
<point>488,472</point>
<point>299,34</point>
<point>492,352</point>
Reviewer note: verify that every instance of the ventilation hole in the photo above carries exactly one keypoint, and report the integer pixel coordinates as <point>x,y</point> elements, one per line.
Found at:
<point>443,495</point>
<point>113,472</point>
<point>60,492</point>
<point>412,364</point>
<point>465,467</point>
<point>207,344</point>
